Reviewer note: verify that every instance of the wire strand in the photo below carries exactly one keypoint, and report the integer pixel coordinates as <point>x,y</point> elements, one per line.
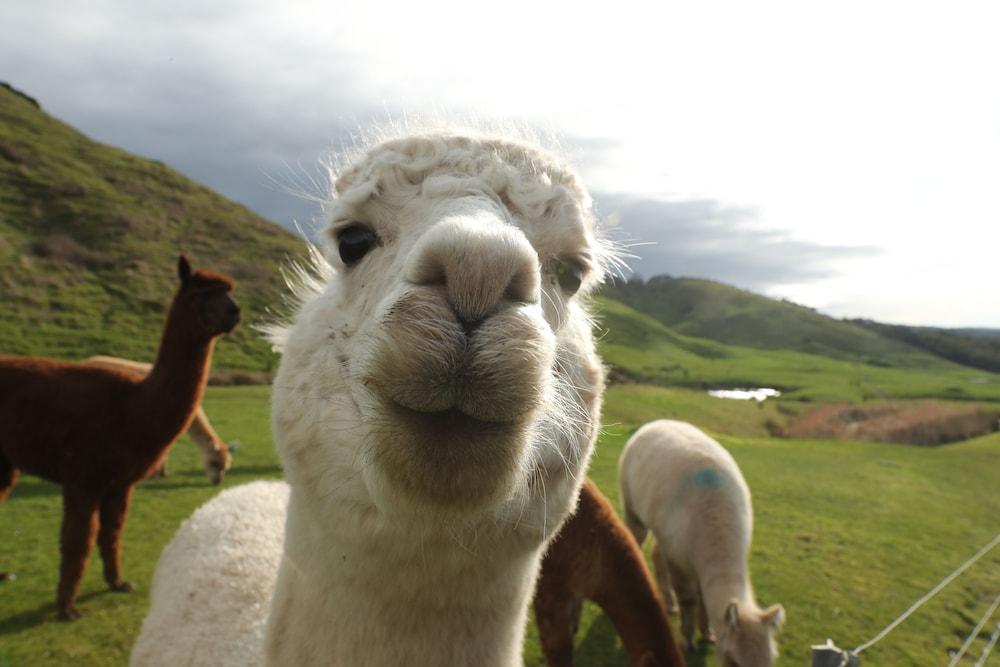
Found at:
<point>934,591</point>
<point>989,647</point>
<point>975,632</point>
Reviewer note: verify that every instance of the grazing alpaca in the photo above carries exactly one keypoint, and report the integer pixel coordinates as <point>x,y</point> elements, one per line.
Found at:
<point>595,557</point>
<point>436,404</point>
<point>214,452</point>
<point>97,431</point>
<point>686,488</point>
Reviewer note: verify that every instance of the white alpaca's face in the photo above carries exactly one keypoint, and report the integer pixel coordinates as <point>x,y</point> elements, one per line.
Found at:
<point>748,637</point>
<point>455,361</point>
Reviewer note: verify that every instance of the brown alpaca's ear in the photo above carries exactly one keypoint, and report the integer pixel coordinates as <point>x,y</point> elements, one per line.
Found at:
<point>733,615</point>
<point>184,270</point>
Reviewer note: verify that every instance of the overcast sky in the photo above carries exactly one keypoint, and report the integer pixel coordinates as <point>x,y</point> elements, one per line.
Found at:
<point>846,156</point>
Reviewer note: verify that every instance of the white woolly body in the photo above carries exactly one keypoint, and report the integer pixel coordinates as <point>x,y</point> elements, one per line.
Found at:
<point>435,407</point>
<point>686,489</point>
<point>184,626</point>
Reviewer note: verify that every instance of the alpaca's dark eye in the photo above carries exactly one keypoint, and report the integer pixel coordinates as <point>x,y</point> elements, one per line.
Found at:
<point>354,243</point>
<point>569,275</point>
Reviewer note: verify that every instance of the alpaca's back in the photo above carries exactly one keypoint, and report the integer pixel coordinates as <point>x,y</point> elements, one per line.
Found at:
<point>211,591</point>
<point>55,412</point>
<point>687,489</point>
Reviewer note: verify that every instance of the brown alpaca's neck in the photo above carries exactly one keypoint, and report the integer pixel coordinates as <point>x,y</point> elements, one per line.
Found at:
<point>628,596</point>
<point>175,384</point>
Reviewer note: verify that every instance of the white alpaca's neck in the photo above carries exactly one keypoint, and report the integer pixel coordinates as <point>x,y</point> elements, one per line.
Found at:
<point>720,587</point>
<point>354,590</point>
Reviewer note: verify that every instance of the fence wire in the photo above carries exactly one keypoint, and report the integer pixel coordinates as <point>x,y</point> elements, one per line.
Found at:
<point>930,594</point>
<point>975,632</point>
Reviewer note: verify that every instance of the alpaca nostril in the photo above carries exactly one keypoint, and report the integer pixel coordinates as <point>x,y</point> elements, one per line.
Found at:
<point>523,286</point>
<point>469,326</point>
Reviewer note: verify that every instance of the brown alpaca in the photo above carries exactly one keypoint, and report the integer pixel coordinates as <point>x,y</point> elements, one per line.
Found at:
<point>97,431</point>
<point>595,557</point>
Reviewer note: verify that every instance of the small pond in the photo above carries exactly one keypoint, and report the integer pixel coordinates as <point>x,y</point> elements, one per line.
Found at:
<point>745,394</point>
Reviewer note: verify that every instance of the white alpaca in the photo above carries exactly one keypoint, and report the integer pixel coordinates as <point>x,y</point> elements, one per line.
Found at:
<point>686,488</point>
<point>436,405</point>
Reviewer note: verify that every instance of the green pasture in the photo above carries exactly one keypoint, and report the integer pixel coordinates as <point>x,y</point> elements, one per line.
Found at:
<point>847,535</point>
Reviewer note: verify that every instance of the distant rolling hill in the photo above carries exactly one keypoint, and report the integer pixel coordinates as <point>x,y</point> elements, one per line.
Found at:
<point>977,333</point>
<point>639,348</point>
<point>89,238</point>
<point>979,348</point>
<point>726,314</point>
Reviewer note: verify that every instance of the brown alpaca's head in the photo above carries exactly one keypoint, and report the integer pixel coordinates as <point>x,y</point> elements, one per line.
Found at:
<point>206,302</point>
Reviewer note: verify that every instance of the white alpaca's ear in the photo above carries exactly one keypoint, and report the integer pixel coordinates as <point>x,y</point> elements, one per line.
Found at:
<point>733,615</point>
<point>773,616</point>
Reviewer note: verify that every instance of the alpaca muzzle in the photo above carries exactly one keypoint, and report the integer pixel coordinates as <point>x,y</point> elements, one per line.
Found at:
<point>430,362</point>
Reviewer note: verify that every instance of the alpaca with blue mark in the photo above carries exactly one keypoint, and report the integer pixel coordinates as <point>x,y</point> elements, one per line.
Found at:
<point>686,489</point>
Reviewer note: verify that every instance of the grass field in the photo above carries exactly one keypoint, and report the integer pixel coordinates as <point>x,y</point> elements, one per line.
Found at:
<point>847,535</point>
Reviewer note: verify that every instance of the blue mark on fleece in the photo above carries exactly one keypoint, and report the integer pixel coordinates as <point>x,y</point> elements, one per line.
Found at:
<point>706,478</point>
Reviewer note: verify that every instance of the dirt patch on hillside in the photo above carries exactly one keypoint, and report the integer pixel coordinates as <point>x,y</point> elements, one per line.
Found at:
<point>927,423</point>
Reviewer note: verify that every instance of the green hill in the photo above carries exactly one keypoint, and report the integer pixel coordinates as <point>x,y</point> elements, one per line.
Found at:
<point>89,238</point>
<point>719,312</point>
<point>979,348</point>
<point>639,348</point>
<point>978,332</point>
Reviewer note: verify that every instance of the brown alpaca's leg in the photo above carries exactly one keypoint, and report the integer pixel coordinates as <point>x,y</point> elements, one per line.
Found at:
<point>557,616</point>
<point>114,507</point>
<point>687,597</point>
<point>663,579</point>
<point>79,527</point>
<point>8,475</point>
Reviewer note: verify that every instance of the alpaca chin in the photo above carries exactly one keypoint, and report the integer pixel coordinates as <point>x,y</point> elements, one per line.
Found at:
<point>447,461</point>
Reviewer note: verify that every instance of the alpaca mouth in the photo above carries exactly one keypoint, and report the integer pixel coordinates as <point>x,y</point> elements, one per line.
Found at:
<point>447,421</point>
<point>446,456</point>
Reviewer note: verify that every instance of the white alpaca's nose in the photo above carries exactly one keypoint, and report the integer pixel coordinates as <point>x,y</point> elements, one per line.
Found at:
<point>482,262</point>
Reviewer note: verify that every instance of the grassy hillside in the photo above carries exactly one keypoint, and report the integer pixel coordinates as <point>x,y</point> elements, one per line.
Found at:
<point>643,349</point>
<point>978,332</point>
<point>719,312</point>
<point>847,535</point>
<point>979,348</point>
<point>89,238</point>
